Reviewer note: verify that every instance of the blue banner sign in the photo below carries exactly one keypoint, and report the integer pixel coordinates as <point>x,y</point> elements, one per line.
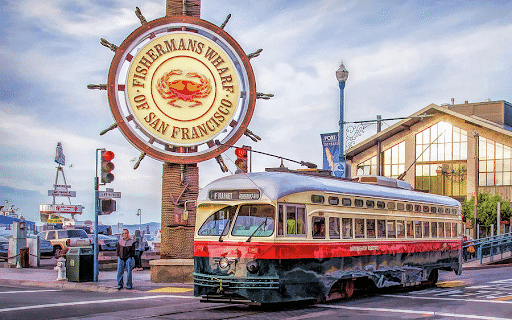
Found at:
<point>331,153</point>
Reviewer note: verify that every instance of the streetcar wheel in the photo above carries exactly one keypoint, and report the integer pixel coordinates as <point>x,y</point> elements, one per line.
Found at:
<point>433,277</point>
<point>349,288</point>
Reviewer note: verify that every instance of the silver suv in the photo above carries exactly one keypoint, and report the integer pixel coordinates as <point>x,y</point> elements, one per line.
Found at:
<point>64,238</point>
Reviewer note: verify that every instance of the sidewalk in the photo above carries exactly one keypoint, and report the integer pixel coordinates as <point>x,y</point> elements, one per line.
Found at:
<point>45,276</point>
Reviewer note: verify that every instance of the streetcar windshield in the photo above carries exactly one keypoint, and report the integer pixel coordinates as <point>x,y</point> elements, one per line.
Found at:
<point>254,220</point>
<point>218,223</point>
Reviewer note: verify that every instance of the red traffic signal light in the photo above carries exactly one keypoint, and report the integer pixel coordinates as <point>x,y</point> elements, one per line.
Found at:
<point>107,166</point>
<point>241,161</point>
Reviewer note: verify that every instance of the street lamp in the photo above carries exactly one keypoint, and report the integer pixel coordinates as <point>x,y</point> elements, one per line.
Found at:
<point>139,214</point>
<point>341,76</point>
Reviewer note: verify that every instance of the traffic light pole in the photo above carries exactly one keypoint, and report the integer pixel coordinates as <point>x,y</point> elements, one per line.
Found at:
<point>96,270</point>
<point>96,213</point>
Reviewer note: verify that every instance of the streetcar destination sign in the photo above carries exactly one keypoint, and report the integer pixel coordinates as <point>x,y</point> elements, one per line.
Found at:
<point>234,194</point>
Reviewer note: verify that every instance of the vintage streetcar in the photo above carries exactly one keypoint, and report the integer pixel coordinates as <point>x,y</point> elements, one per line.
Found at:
<point>273,237</point>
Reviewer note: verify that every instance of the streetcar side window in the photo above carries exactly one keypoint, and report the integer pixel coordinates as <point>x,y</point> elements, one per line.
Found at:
<point>334,228</point>
<point>410,229</point>
<point>391,229</point>
<point>400,229</point>
<point>295,219</point>
<point>409,207</point>
<point>316,198</point>
<point>426,209</point>
<point>254,220</point>
<point>434,229</point>
<point>381,205</point>
<point>400,206</point>
<point>417,208</point>
<point>426,229</point>
<point>381,228</point>
<point>417,229</point>
<point>440,229</point>
<point>358,203</point>
<point>318,227</point>
<point>359,226</point>
<point>370,203</point>
<point>346,202</point>
<point>370,228</point>
<point>280,223</point>
<point>218,223</point>
<point>346,225</point>
<point>448,230</point>
<point>391,205</point>
<point>333,200</point>
<point>454,230</point>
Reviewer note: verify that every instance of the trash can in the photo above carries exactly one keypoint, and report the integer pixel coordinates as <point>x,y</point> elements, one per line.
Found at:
<point>80,264</point>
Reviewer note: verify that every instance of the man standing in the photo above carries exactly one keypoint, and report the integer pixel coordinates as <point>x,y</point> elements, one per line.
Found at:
<point>125,260</point>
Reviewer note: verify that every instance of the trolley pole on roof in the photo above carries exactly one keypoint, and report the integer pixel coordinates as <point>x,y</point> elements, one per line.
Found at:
<point>341,76</point>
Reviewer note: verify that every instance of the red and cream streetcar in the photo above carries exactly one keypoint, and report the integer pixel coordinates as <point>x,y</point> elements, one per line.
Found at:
<point>273,237</point>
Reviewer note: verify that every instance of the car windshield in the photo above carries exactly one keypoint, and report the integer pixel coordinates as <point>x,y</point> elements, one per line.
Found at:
<point>79,233</point>
<point>254,220</point>
<point>148,237</point>
<point>218,223</point>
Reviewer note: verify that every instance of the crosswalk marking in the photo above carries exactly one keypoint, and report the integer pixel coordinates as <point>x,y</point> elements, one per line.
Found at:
<point>29,291</point>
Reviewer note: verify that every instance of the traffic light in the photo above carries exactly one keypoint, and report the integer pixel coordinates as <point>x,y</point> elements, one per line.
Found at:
<point>107,166</point>
<point>241,161</point>
<point>108,206</point>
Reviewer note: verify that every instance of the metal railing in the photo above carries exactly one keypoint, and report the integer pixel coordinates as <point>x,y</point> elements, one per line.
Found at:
<point>493,247</point>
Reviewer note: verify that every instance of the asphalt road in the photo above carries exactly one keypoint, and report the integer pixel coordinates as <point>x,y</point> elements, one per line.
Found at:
<point>477,294</point>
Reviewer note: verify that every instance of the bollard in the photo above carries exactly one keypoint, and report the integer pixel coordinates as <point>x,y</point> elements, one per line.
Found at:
<point>61,269</point>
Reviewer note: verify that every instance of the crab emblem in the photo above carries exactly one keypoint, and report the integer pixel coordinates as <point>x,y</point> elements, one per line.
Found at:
<point>185,90</point>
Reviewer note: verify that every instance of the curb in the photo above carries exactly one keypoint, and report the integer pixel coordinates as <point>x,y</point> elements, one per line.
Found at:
<point>60,285</point>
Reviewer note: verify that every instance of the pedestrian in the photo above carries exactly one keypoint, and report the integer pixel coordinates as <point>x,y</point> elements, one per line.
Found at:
<point>125,260</point>
<point>139,248</point>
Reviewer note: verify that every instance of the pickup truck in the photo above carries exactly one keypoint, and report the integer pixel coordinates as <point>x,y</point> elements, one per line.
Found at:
<point>62,239</point>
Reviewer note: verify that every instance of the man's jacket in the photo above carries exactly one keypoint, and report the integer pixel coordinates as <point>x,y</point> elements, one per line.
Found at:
<point>125,248</point>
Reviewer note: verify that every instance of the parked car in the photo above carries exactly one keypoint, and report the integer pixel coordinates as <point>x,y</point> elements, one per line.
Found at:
<point>4,247</point>
<point>105,242</point>
<point>64,238</point>
<point>45,247</point>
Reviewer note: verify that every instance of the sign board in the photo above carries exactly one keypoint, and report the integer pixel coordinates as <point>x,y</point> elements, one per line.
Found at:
<point>178,84</point>
<point>340,169</point>
<point>234,195</point>
<point>60,208</point>
<point>62,186</point>
<point>108,194</point>
<point>61,193</point>
<point>54,221</point>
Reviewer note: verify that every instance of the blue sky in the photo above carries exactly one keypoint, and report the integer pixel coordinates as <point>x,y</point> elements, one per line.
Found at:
<point>401,56</point>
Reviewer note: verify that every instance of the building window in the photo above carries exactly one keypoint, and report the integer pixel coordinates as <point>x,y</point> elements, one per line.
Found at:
<point>394,160</point>
<point>368,167</point>
<point>442,154</point>
<point>495,166</point>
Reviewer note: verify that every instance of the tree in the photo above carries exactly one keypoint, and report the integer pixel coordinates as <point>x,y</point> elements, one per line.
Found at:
<point>487,205</point>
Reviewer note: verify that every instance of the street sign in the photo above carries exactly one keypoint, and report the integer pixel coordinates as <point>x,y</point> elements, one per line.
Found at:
<point>108,194</point>
<point>62,186</point>
<point>60,208</point>
<point>61,193</point>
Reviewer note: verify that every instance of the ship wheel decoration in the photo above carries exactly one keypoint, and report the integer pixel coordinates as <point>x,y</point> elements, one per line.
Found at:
<point>181,89</point>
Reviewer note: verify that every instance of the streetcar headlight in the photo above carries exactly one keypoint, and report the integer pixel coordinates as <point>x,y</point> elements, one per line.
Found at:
<point>223,263</point>
<point>252,266</point>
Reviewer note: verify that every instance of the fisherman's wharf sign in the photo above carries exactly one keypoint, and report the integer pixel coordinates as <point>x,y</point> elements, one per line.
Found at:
<point>181,89</point>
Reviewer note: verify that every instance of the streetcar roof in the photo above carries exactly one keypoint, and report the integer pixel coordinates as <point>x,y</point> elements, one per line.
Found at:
<point>276,185</point>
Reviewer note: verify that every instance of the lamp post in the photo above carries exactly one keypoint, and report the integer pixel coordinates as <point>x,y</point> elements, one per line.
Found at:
<point>341,76</point>
<point>139,214</point>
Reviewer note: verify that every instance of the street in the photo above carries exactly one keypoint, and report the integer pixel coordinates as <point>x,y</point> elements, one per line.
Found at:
<point>477,294</point>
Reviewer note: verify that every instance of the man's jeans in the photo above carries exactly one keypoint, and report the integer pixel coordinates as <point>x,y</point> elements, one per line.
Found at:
<point>121,265</point>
